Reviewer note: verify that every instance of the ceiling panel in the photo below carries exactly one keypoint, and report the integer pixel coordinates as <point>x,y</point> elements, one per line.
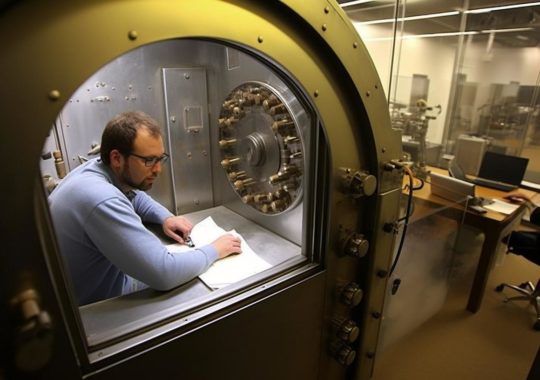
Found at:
<point>527,17</point>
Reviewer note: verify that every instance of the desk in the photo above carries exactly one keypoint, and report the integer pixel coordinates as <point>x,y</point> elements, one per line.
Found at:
<point>494,225</point>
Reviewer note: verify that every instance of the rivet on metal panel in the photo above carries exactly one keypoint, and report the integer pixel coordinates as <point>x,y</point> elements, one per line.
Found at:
<point>324,27</point>
<point>260,39</point>
<point>326,9</point>
<point>376,86</point>
<point>381,273</point>
<point>188,154</point>
<point>196,201</point>
<point>173,119</point>
<point>132,35</point>
<point>316,93</point>
<point>368,93</point>
<point>383,150</point>
<point>355,45</point>
<point>186,75</point>
<point>204,153</point>
<point>54,95</point>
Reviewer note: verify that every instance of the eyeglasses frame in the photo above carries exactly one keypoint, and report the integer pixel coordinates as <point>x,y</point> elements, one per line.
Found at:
<point>151,161</point>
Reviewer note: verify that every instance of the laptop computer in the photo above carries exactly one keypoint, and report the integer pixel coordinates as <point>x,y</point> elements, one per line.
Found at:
<point>497,171</point>
<point>451,188</point>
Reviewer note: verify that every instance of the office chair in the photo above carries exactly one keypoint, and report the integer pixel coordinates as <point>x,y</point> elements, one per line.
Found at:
<point>526,244</point>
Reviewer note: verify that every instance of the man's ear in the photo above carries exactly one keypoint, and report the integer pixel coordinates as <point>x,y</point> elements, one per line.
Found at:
<point>116,158</point>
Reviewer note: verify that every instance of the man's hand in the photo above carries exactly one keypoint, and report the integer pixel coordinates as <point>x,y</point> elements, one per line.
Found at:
<point>517,197</point>
<point>177,227</point>
<point>227,245</point>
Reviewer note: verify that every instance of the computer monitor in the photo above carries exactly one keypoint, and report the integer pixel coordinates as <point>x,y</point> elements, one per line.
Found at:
<point>503,168</point>
<point>525,95</point>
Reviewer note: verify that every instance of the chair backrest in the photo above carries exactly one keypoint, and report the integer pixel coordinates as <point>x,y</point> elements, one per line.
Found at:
<point>526,244</point>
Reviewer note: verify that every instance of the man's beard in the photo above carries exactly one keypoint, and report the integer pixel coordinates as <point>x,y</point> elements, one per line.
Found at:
<point>126,178</point>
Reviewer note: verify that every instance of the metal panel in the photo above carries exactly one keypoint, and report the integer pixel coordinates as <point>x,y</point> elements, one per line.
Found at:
<point>246,68</point>
<point>107,320</point>
<point>276,338</point>
<point>286,324</point>
<point>186,108</point>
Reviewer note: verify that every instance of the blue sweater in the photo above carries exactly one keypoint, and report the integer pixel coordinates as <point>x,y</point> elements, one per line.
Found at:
<point>104,242</point>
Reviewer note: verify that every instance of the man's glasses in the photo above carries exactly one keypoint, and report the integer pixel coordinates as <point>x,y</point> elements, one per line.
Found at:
<point>151,161</point>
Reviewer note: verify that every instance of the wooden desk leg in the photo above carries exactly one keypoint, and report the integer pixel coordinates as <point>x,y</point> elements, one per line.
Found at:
<point>485,263</point>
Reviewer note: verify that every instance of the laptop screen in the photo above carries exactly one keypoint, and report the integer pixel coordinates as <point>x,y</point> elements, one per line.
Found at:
<point>503,168</point>
<point>456,171</point>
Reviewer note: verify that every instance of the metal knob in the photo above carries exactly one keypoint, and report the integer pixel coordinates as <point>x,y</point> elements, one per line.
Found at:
<point>354,244</point>
<point>359,183</point>
<point>351,295</point>
<point>343,353</point>
<point>347,330</point>
<point>34,335</point>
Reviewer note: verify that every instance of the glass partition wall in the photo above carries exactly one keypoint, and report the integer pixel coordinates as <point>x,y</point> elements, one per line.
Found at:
<point>460,76</point>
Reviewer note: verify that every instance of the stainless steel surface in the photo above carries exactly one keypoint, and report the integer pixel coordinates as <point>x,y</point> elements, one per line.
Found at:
<point>261,147</point>
<point>269,246</point>
<point>186,115</point>
<point>107,320</point>
<point>183,84</point>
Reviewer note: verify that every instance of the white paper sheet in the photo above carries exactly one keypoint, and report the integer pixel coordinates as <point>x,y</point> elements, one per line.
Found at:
<point>501,206</point>
<point>230,269</point>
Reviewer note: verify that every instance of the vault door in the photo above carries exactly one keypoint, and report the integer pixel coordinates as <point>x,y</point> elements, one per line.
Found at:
<point>279,325</point>
<point>186,106</point>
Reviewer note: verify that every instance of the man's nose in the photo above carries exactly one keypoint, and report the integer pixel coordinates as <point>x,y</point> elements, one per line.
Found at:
<point>156,169</point>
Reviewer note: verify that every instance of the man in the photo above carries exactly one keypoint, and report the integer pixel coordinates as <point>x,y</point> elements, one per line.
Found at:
<point>98,212</point>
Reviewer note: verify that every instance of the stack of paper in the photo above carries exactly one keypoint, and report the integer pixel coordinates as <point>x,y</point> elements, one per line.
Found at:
<point>230,269</point>
<point>501,206</point>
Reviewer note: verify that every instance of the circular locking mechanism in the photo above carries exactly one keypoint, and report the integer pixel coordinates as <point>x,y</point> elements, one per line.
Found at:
<point>261,146</point>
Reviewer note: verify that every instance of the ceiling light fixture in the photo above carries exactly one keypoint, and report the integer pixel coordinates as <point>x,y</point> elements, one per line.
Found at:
<point>502,8</point>
<point>442,14</point>
<point>411,18</point>
<point>356,2</point>
<point>450,34</point>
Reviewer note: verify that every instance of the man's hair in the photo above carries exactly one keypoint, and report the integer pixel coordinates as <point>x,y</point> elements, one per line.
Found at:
<point>121,131</point>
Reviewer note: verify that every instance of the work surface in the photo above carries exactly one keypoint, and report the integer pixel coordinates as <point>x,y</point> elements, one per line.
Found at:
<point>480,191</point>
<point>116,317</point>
<point>494,225</point>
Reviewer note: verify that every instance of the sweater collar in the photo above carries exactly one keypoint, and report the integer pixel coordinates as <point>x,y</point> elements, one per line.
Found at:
<point>130,194</point>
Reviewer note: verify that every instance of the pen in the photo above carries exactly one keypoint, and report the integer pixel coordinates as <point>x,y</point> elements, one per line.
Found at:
<point>189,242</point>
